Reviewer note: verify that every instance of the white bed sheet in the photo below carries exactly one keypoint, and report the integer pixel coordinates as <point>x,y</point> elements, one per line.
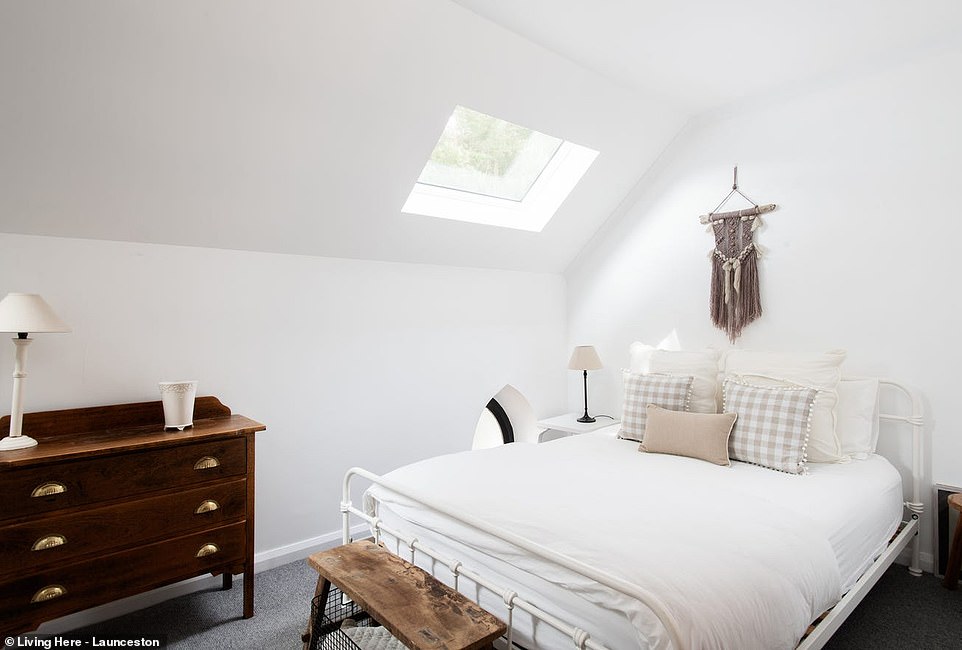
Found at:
<point>782,548</point>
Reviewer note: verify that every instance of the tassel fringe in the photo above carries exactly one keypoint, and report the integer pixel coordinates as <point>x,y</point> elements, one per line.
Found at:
<point>735,299</point>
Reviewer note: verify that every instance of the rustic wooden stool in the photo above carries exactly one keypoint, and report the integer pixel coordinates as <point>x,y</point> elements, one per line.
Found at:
<point>951,580</point>
<point>420,611</point>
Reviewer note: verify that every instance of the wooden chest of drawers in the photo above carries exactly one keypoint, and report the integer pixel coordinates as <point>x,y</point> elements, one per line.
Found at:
<point>109,505</point>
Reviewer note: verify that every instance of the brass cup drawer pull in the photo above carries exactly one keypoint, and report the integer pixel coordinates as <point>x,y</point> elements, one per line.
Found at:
<point>208,549</point>
<point>50,541</point>
<point>48,489</point>
<point>207,462</point>
<point>48,593</point>
<point>207,506</point>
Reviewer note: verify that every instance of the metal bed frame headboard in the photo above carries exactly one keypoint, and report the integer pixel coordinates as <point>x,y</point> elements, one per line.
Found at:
<point>917,420</point>
<point>580,637</point>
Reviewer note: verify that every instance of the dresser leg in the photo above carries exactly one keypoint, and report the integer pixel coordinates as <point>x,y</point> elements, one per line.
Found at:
<point>228,580</point>
<point>249,593</point>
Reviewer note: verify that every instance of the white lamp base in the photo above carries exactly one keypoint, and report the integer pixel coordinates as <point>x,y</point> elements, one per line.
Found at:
<point>17,442</point>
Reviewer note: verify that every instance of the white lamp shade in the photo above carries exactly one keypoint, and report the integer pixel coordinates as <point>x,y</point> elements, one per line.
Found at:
<point>584,357</point>
<point>28,312</point>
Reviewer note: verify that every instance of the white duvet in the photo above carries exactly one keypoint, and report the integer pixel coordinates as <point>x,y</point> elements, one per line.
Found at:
<point>740,557</point>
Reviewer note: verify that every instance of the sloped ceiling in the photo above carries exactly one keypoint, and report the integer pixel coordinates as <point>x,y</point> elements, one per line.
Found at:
<point>299,126</point>
<point>703,54</point>
<point>290,126</point>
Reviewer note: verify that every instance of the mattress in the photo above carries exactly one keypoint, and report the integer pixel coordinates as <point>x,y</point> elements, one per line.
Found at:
<point>738,556</point>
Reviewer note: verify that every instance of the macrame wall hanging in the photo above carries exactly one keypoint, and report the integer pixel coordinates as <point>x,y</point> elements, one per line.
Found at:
<point>735,298</point>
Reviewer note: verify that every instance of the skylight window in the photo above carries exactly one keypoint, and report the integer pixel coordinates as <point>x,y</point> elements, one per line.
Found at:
<point>484,155</point>
<point>490,171</point>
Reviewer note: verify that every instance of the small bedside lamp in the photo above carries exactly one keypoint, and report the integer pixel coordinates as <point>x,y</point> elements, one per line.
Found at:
<point>585,358</point>
<point>22,313</point>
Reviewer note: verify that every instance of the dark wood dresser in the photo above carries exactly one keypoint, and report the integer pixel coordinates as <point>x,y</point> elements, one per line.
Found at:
<point>109,504</point>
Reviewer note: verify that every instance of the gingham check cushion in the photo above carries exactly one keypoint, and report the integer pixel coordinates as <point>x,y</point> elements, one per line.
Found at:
<point>773,424</point>
<point>668,392</point>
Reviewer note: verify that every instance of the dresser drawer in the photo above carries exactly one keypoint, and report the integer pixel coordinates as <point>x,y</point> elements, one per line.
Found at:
<point>59,590</point>
<point>60,538</point>
<point>32,491</point>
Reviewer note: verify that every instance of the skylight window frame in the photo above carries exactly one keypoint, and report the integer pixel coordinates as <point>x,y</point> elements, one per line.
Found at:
<point>553,185</point>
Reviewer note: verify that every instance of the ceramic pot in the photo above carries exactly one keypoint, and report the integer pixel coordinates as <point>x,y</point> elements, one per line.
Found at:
<point>178,398</point>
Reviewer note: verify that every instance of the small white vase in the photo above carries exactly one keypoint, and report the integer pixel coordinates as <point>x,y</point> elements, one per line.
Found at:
<point>178,398</point>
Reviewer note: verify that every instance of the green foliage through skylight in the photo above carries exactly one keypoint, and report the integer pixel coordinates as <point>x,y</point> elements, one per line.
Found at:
<point>479,141</point>
<point>482,154</point>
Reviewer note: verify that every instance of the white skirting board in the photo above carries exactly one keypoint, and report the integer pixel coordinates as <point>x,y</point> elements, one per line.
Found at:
<point>263,561</point>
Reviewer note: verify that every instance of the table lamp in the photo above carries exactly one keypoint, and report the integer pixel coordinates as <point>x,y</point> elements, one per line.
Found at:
<point>22,313</point>
<point>585,358</point>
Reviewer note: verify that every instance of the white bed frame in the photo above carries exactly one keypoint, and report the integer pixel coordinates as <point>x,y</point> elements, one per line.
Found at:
<point>822,632</point>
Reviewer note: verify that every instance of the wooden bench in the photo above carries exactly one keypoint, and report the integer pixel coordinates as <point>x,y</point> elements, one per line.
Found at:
<point>415,607</point>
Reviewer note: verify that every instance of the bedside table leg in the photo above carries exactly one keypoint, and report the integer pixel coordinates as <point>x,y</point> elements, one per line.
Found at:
<point>951,579</point>
<point>228,580</point>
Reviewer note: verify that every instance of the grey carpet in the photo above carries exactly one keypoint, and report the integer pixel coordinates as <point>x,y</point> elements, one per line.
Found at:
<point>903,611</point>
<point>212,618</point>
<point>900,612</point>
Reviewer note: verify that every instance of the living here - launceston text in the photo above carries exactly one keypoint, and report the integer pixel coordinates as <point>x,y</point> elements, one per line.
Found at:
<point>48,642</point>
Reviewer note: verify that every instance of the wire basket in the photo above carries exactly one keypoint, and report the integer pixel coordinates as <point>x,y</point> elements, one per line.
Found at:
<point>338,614</point>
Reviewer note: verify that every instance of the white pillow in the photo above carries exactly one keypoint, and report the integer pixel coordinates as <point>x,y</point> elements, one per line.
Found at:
<point>640,353</point>
<point>857,426</point>
<point>639,357</point>
<point>819,371</point>
<point>702,366</point>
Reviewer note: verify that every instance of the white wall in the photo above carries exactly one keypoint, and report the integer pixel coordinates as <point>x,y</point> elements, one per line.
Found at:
<point>862,252</point>
<point>347,362</point>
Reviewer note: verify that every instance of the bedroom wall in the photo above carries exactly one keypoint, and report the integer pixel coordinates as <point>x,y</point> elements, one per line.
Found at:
<point>347,362</point>
<point>862,252</point>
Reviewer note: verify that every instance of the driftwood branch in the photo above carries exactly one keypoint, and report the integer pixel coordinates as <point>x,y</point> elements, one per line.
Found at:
<point>747,212</point>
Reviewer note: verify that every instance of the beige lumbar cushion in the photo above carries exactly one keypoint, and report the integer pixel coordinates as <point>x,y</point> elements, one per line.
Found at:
<point>696,435</point>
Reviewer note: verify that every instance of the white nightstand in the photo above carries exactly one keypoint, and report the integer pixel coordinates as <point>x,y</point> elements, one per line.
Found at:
<point>567,425</point>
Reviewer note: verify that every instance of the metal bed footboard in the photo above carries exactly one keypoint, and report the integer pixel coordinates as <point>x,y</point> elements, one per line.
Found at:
<point>512,599</point>
<point>580,637</point>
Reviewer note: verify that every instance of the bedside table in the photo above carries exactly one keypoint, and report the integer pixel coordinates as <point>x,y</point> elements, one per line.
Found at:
<point>567,425</point>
